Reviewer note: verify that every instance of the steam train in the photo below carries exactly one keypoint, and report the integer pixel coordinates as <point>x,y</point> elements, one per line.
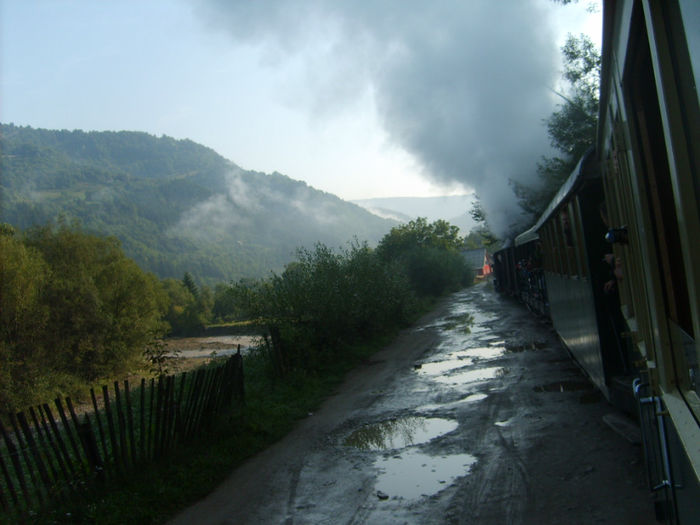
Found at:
<point>614,260</point>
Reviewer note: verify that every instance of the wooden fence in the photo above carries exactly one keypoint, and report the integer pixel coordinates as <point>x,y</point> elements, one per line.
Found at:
<point>48,453</point>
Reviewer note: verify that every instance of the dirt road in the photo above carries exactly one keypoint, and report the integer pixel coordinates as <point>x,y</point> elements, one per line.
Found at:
<point>475,415</point>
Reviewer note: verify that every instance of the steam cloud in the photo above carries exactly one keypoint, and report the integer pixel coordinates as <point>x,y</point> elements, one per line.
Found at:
<point>463,86</point>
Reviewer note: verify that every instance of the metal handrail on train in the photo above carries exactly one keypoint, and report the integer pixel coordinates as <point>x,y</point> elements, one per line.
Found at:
<point>656,403</point>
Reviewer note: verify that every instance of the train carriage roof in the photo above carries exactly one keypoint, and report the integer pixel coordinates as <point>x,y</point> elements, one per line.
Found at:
<point>580,174</point>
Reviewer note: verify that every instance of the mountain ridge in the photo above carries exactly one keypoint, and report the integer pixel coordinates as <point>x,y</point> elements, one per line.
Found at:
<point>175,205</point>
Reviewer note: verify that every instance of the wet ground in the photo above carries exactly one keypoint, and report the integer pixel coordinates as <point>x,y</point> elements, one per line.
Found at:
<point>475,415</point>
<point>209,347</point>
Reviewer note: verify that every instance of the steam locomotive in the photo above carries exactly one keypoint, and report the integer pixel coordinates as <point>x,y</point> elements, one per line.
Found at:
<point>614,260</point>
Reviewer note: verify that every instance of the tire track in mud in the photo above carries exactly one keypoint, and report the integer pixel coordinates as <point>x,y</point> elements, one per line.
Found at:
<point>498,487</point>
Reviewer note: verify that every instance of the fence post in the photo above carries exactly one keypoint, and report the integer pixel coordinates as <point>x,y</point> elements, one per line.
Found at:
<point>14,459</point>
<point>122,425</point>
<point>59,439</point>
<point>116,454</point>
<point>92,453</point>
<point>130,418</point>
<point>67,427</point>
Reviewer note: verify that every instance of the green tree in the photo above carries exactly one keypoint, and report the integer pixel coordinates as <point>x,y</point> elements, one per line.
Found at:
<point>571,128</point>
<point>429,254</point>
<point>103,308</point>
<point>419,234</point>
<point>481,234</point>
<point>73,308</point>
<point>182,316</point>
<point>23,321</point>
<point>188,281</point>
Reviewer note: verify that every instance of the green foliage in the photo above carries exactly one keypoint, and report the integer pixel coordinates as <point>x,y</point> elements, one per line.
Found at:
<point>183,315</point>
<point>225,307</point>
<point>273,407</point>
<point>481,235</point>
<point>572,128</point>
<point>176,206</point>
<point>428,254</point>
<point>418,234</point>
<point>74,308</point>
<point>190,285</point>
<point>325,299</point>
<point>24,317</point>
<point>162,362</point>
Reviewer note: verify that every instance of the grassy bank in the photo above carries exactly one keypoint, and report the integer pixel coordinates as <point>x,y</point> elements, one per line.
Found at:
<point>273,406</point>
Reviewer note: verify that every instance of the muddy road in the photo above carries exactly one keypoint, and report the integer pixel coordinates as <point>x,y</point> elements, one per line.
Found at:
<point>474,415</point>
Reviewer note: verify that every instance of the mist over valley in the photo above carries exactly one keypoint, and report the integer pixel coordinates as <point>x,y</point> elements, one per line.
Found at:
<point>176,206</point>
<point>451,208</point>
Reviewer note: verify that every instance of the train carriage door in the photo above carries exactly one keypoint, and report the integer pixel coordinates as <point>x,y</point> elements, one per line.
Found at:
<point>663,118</point>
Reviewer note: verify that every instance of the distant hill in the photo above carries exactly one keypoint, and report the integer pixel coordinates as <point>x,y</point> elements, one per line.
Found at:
<point>175,205</point>
<point>453,208</point>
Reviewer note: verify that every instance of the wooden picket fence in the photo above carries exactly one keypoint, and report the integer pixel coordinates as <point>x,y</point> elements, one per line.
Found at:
<point>48,453</point>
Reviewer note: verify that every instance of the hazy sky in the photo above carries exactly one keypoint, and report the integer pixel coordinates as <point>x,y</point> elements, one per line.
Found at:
<point>362,98</point>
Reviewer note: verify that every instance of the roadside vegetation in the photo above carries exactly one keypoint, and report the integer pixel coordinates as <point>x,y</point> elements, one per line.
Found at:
<point>77,312</point>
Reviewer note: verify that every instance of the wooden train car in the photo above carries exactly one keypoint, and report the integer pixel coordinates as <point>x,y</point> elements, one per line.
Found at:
<point>620,243</point>
<point>580,286</point>
<point>649,153</point>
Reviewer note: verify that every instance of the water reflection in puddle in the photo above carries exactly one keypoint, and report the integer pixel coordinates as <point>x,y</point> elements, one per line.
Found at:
<point>470,376</point>
<point>399,433</point>
<point>482,352</point>
<point>440,367</point>
<point>413,474</point>
<point>471,398</point>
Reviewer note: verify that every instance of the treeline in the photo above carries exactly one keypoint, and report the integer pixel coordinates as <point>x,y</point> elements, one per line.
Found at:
<point>175,205</point>
<point>326,301</point>
<point>75,309</point>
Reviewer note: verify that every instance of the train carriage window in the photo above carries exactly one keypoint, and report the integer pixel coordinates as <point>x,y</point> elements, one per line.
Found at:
<point>580,241</point>
<point>547,262</point>
<point>657,178</point>
<point>559,246</point>
<point>622,213</point>
<point>654,174</point>
<point>567,239</point>
<point>551,255</point>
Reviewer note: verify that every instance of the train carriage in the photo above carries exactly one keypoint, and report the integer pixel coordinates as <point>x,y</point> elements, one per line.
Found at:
<point>620,243</point>
<point>579,274</point>
<point>649,150</point>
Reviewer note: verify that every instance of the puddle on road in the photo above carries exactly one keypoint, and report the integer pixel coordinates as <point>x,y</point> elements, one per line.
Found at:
<point>482,352</point>
<point>465,319</point>
<point>399,433</point>
<point>471,398</point>
<point>440,367</point>
<point>413,474</point>
<point>480,374</point>
<point>459,359</point>
<point>460,322</point>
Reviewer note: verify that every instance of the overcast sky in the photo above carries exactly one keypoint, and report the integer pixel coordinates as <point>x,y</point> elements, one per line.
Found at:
<point>362,98</point>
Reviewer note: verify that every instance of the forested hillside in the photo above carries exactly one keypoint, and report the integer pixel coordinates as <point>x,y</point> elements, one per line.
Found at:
<point>175,205</point>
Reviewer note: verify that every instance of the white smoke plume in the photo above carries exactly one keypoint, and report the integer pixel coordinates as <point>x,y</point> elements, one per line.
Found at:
<point>461,85</point>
